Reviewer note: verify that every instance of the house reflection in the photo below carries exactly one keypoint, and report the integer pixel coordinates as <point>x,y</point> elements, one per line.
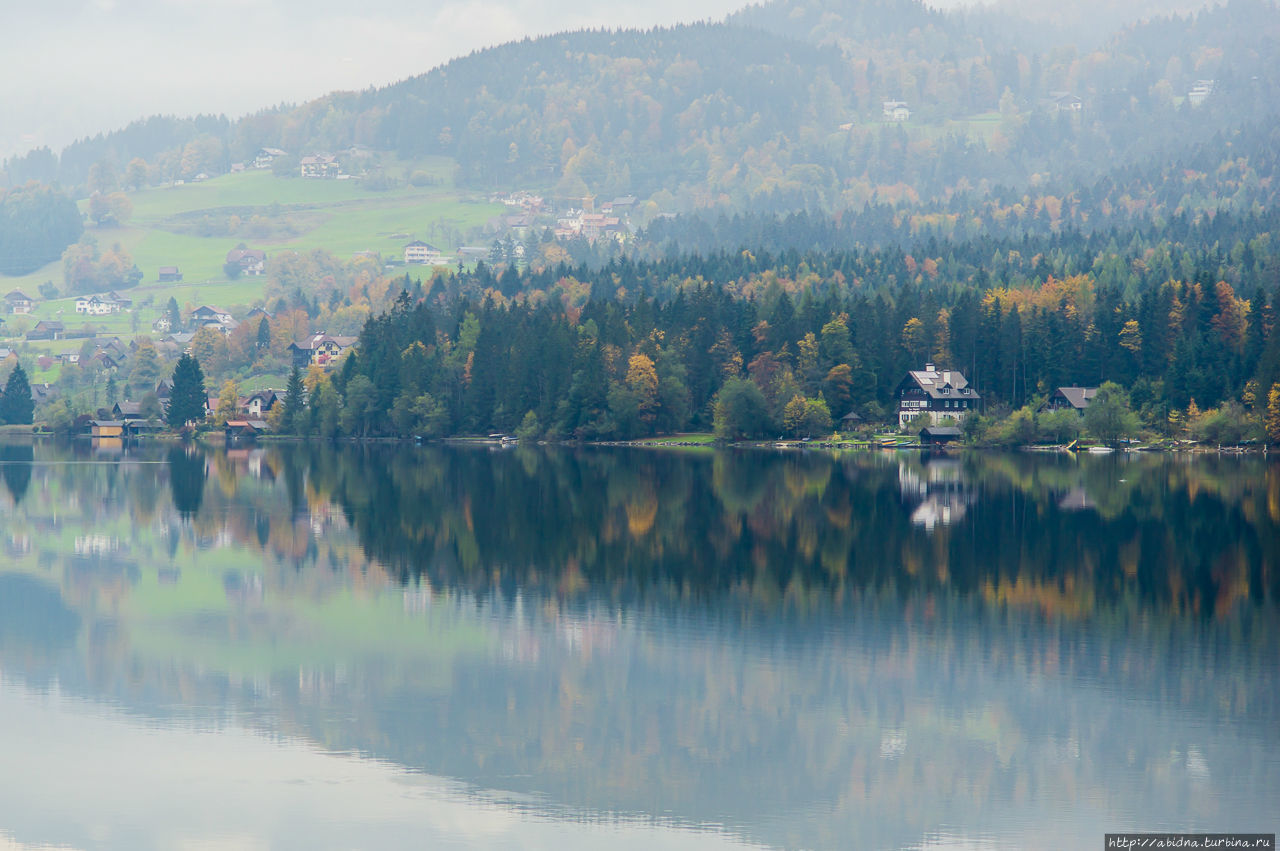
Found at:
<point>935,489</point>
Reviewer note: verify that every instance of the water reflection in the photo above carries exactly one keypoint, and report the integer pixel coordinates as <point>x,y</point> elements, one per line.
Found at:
<point>759,647</point>
<point>937,489</point>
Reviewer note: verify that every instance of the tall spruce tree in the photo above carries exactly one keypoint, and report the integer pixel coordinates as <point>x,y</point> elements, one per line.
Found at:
<point>291,419</point>
<point>16,406</point>
<point>187,398</point>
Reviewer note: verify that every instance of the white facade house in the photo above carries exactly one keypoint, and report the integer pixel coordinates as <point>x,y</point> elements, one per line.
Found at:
<point>896,110</point>
<point>421,253</point>
<point>97,305</point>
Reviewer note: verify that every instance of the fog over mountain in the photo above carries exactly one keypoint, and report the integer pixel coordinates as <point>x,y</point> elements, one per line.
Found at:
<point>89,66</point>
<point>83,67</point>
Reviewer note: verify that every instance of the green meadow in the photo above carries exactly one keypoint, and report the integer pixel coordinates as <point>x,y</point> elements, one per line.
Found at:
<point>339,216</point>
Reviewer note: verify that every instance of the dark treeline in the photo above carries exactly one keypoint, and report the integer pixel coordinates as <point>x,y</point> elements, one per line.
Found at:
<point>637,348</point>
<point>37,223</point>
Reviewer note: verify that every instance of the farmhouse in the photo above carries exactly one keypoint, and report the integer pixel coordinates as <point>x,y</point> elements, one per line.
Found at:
<point>169,274</point>
<point>934,395</point>
<point>18,302</point>
<point>250,260</point>
<point>320,165</point>
<point>1073,398</point>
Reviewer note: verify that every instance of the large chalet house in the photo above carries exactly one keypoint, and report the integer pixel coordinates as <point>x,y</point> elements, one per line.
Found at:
<point>934,395</point>
<point>321,349</point>
<point>1070,398</point>
<point>250,260</point>
<point>421,252</point>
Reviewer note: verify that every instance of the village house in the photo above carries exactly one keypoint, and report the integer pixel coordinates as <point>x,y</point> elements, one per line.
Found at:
<point>18,302</point>
<point>1065,102</point>
<point>126,411</point>
<point>169,274</point>
<point>321,349</point>
<point>895,110</point>
<point>250,260</point>
<point>421,252</point>
<point>1070,398</point>
<point>1200,92</point>
<point>47,329</point>
<point>98,305</point>
<point>257,404</point>
<point>266,156</point>
<point>934,395</point>
<point>208,313</point>
<point>320,165</point>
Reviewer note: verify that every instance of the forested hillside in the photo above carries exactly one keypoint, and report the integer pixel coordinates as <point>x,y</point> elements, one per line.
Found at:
<point>759,344</point>
<point>780,108</point>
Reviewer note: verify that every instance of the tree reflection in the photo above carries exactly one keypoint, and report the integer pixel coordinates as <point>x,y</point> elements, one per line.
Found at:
<point>15,466</point>
<point>187,479</point>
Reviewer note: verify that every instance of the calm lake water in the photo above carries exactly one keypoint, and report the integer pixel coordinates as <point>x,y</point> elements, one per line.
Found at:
<point>307,647</point>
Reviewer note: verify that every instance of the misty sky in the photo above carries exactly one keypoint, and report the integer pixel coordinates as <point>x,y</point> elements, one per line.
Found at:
<point>71,68</point>
<point>76,67</point>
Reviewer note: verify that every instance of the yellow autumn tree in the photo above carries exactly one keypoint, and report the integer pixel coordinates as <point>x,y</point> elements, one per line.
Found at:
<point>642,381</point>
<point>1273,414</point>
<point>228,403</point>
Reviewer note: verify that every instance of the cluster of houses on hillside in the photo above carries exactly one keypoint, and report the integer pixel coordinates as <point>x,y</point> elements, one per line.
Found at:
<point>133,419</point>
<point>587,218</point>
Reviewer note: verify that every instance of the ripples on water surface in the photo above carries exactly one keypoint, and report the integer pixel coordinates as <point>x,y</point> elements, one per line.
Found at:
<point>304,647</point>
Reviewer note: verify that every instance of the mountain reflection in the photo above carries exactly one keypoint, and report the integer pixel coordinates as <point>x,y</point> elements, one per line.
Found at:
<point>799,647</point>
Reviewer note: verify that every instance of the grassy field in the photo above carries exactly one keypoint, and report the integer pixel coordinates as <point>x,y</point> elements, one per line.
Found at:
<point>340,216</point>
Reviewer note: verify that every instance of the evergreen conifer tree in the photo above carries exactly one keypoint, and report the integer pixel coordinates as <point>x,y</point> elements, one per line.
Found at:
<point>291,420</point>
<point>16,406</point>
<point>187,398</point>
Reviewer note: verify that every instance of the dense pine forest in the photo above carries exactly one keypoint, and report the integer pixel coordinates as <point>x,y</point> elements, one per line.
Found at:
<point>757,344</point>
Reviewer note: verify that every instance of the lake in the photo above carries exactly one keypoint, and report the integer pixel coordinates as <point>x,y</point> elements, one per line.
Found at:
<point>396,647</point>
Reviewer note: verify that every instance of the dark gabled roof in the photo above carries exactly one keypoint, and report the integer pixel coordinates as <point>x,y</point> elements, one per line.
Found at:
<point>941,431</point>
<point>1078,397</point>
<point>942,384</point>
<point>127,409</point>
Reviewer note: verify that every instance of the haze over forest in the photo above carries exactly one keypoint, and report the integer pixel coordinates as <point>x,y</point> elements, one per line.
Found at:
<point>85,67</point>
